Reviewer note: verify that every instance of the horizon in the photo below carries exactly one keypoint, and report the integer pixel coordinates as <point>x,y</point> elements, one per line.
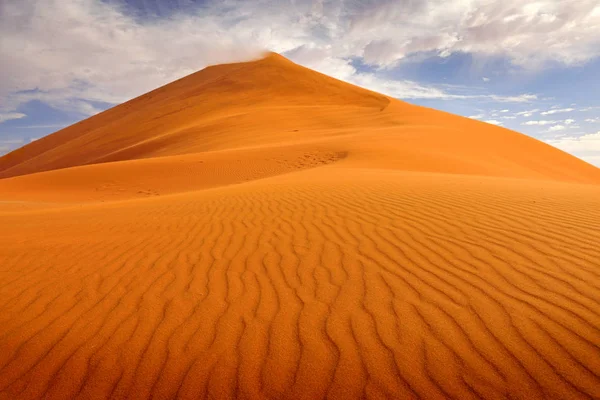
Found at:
<point>486,63</point>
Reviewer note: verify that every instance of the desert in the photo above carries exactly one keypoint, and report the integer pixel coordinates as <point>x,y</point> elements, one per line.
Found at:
<point>261,230</point>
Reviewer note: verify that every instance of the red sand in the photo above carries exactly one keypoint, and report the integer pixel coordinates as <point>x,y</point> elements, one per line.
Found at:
<point>259,230</point>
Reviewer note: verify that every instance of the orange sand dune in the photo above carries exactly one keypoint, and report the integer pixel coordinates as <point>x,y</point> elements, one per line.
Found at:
<point>273,102</point>
<point>259,230</point>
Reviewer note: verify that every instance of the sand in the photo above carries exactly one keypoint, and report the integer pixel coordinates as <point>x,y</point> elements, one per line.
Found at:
<point>258,230</point>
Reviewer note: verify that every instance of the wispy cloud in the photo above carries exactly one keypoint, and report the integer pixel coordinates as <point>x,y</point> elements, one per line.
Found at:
<point>556,128</point>
<point>493,122</point>
<point>528,113</point>
<point>522,98</point>
<point>559,124</point>
<point>540,122</point>
<point>11,141</point>
<point>7,145</point>
<point>585,109</point>
<point>7,116</point>
<point>41,126</point>
<point>557,111</point>
<point>404,89</point>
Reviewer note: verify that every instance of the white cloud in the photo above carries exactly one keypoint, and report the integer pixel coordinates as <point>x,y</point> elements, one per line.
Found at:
<point>560,124</point>
<point>540,122</point>
<point>592,120</point>
<point>556,128</point>
<point>530,33</point>
<point>112,57</point>
<point>493,122</point>
<point>585,143</point>
<point>10,115</point>
<point>558,110</point>
<point>528,113</point>
<point>80,52</point>
<point>413,90</point>
<point>485,79</point>
<point>478,116</point>
<point>523,98</point>
<point>399,89</point>
<point>586,147</point>
<point>593,159</point>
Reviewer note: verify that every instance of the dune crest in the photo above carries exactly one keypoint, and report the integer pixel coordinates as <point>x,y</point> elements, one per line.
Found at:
<point>259,230</point>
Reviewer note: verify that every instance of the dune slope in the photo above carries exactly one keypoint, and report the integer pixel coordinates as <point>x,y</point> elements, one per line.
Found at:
<point>258,230</point>
<point>273,101</point>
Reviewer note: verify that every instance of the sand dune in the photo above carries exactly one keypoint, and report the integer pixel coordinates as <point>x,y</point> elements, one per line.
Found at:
<point>258,230</point>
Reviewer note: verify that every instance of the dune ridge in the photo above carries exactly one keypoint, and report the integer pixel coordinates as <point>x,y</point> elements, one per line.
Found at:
<point>295,239</point>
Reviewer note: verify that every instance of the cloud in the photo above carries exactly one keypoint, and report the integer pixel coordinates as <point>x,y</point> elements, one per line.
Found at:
<point>42,126</point>
<point>10,115</point>
<point>485,79</point>
<point>99,54</point>
<point>558,110</point>
<point>593,159</point>
<point>574,144</point>
<point>522,98</point>
<point>478,116</point>
<point>493,122</point>
<point>112,56</point>
<point>556,128</point>
<point>512,28</point>
<point>586,147</point>
<point>527,113</point>
<point>405,89</point>
<point>319,60</point>
<point>11,141</point>
<point>592,120</point>
<point>540,122</point>
<point>589,108</point>
<point>7,145</point>
<point>558,125</point>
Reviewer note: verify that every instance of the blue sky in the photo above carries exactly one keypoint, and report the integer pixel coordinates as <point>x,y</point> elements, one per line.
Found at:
<point>531,66</point>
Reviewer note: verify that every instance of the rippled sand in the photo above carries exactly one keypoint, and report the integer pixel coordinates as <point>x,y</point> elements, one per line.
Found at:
<point>264,231</point>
